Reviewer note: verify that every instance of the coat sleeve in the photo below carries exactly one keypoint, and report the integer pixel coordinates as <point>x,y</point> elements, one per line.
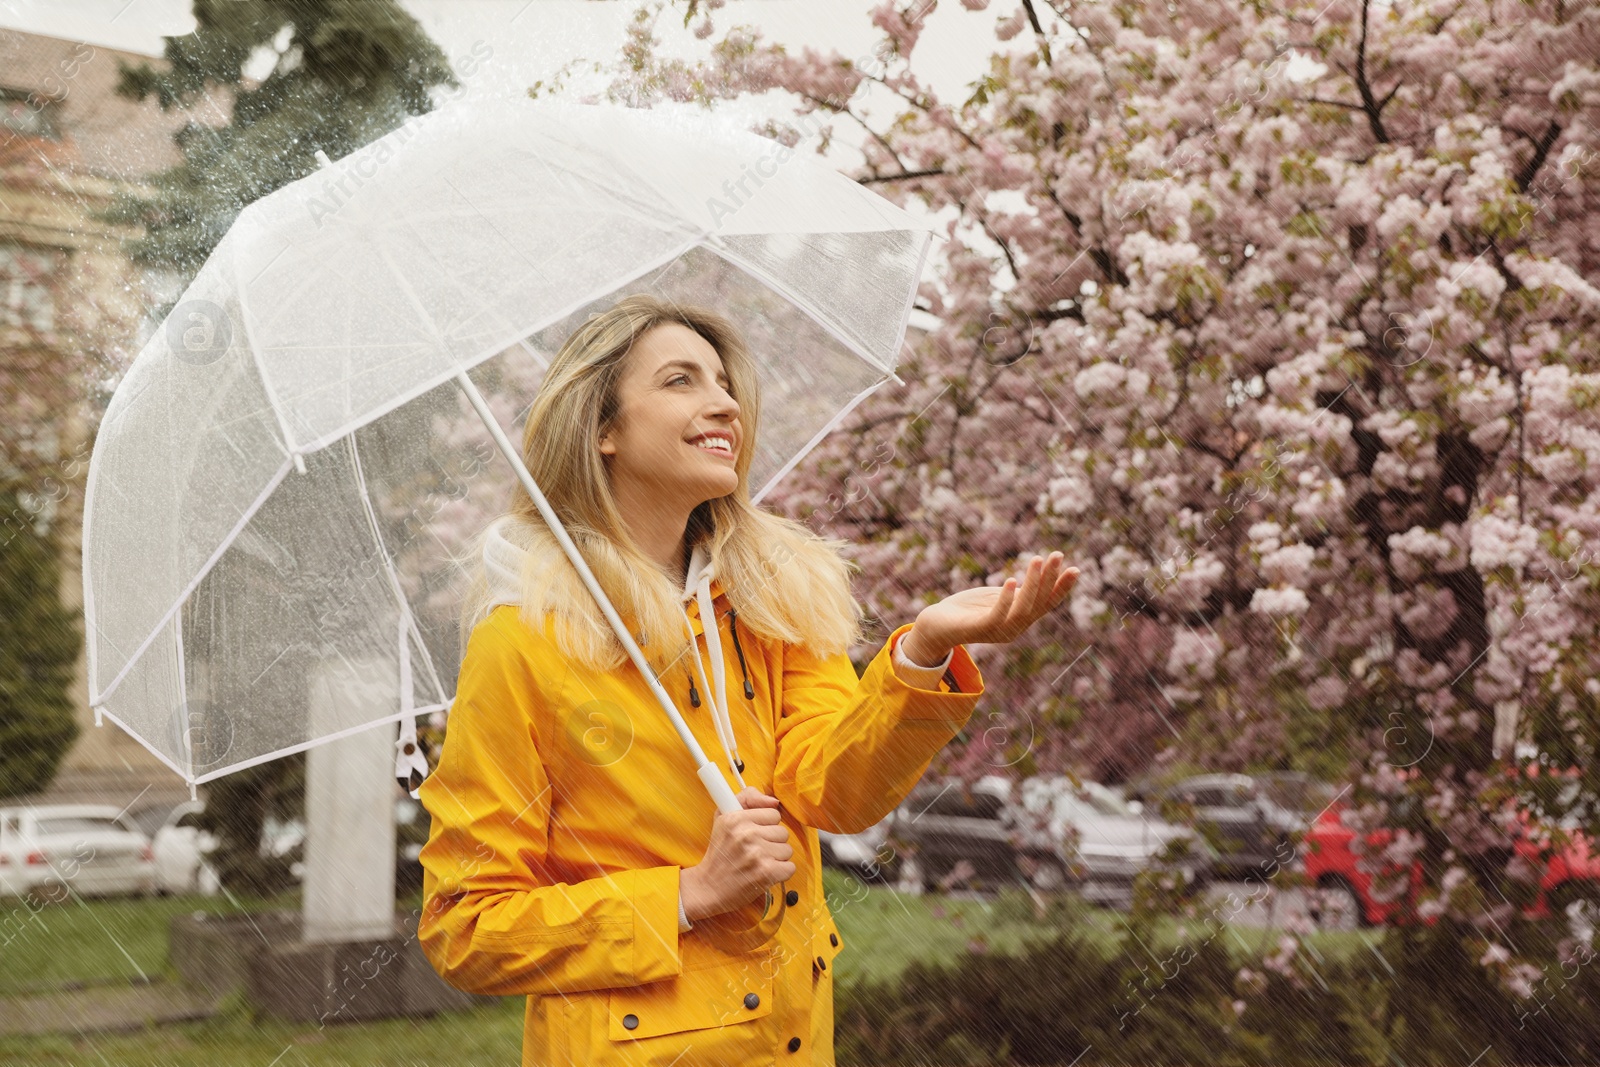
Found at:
<point>494,921</point>
<point>849,749</point>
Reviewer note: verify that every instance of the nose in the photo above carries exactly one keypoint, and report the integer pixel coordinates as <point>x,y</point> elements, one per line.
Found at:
<point>723,403</point>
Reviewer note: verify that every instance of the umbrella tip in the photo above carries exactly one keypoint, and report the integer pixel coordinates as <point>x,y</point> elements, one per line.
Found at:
<point>299,462</point>
<point>322,158</point>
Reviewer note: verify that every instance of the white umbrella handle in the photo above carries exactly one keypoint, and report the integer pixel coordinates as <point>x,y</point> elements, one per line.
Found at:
<point>709,775</point>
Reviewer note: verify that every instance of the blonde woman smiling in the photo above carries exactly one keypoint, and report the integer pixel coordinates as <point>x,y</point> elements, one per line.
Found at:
<point>574,857</point>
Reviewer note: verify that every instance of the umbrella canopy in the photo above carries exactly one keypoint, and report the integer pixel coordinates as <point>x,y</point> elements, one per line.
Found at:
<point>279,481</point>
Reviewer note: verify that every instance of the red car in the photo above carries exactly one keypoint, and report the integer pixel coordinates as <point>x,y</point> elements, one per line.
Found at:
<point>1347,900</point>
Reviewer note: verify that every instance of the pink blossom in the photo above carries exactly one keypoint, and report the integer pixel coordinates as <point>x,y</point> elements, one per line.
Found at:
<point>1193,653</point>
<point>1279,601</point>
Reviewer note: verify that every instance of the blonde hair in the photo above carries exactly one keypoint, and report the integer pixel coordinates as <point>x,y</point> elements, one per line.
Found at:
<point>785,581</point>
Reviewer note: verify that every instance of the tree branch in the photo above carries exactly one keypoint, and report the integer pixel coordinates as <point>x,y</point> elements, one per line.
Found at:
<point>1373,109</point>
<point>1541,151</point>
<point>906,176</point>
<point>1038,31</point>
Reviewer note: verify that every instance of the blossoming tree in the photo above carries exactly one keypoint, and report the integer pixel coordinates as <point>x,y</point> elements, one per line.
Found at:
<point>1282,322</point>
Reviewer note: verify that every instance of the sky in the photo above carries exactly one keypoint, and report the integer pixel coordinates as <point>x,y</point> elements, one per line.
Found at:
<point>529,39</point>
<point>504,46</point>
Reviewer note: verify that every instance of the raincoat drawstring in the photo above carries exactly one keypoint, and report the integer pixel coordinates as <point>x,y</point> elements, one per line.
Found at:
<point>716,689</point>
<point>733,623</point>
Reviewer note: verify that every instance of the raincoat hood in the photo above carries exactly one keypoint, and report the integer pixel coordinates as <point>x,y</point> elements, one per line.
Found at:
<point>503,560</point>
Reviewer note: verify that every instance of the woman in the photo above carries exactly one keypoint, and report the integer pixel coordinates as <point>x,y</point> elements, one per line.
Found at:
<point>574,856</point>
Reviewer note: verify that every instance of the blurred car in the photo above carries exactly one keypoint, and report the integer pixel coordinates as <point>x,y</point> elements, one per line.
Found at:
<point>1087,835</point>
<point>286,837</point>
<point>1569,874</point>
<point>861,855</point>
<point>946,833</point>
<point>1298,792</point>
<point>55,851</point>
<point>182,849</point>
<point>1252,821</point>
<point>411,833</point>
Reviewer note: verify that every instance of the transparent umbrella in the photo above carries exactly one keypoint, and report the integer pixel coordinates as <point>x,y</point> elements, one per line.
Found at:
<point>277,483</point>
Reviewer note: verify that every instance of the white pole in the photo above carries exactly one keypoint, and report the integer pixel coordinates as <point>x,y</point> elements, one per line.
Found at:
<point>710,776</point>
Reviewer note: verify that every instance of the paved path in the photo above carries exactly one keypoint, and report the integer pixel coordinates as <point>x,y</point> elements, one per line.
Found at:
<point>104,1007</point>
<point>1244,904</point>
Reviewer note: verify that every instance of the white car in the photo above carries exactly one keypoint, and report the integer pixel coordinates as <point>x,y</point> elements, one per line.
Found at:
<point>1115,840</point>
<point>182,850</point>
<point>54,851</point>
<point>862,854</point>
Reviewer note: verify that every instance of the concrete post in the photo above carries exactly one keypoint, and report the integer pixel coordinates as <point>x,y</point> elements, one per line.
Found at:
<point>349,891</point>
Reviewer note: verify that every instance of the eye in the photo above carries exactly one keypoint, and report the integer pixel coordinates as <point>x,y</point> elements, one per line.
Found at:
<point>678,378</point>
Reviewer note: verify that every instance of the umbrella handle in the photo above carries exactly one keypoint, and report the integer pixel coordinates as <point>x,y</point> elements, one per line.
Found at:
<point>711,777</point>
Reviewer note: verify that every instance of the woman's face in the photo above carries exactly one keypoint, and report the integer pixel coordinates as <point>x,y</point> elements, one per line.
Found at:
<point>672,396</point>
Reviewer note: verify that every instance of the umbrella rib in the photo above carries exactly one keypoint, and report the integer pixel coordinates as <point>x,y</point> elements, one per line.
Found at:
<point>388,565</point>
<point>233,534</point>
<point>797,300</point>
<point>157,753</point>
<point>183,690</point>
<point>817,437</point>
<point>245,317</point>
<point>303,745</point>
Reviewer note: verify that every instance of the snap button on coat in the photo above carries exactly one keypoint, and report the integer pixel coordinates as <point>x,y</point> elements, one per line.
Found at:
<point>564,807</point>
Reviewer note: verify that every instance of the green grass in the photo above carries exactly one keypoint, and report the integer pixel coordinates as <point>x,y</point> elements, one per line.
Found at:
<point>490,1036</point>
<point>882,933</point>
<point>119,939</point>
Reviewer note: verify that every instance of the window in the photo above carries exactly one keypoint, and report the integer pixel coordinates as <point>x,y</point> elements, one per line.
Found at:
<point>25,292</point>
<point>28,114</point>
<point>78,824</point>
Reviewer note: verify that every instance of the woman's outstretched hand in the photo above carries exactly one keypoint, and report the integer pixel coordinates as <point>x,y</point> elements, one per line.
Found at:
<point>989,614</point>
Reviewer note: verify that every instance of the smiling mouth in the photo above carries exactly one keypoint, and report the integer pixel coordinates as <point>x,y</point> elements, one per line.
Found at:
<point>726,453</point>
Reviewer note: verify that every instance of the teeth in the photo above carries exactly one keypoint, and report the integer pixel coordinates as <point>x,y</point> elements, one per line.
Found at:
<point>715,444</point>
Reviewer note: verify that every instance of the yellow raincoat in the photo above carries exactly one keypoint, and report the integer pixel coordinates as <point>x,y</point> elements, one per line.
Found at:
<point>564,806</point>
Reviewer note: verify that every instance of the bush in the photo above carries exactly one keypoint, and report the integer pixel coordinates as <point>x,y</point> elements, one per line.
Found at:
<point>39,642</point>
<point>1416,996</point>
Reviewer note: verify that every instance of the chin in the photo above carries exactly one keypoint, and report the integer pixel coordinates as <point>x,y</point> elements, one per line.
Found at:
<point>717,492</point>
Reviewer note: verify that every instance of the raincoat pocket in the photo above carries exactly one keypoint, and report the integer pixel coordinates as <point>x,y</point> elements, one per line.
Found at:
<point>722,994</point>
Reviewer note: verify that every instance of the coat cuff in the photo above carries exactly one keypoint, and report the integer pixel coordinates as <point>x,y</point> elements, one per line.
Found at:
<point>935,702</point>
<point>918,675</point>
